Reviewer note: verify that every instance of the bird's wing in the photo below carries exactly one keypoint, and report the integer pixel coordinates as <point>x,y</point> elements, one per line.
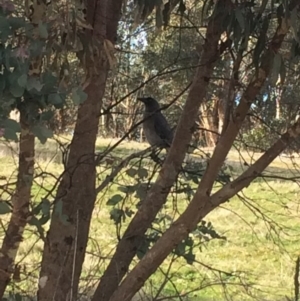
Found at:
<point>162,128</point>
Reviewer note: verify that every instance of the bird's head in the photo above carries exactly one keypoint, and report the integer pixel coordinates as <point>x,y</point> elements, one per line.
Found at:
<point>150,103</point>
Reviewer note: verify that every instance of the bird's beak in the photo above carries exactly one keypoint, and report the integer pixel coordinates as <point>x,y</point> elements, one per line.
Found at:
<point>142,99</point>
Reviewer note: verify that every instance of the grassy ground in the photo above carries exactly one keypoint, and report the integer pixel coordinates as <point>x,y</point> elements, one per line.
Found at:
<point>261,227</point>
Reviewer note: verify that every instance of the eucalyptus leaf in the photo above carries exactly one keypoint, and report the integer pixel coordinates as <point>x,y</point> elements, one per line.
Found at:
<point>116,215</point>
<point>58,209</point>
<point>131,172</point>
<point>5,31</point>
<point>34,83</point>
<point>18,297</point>
<point>4,208</point>
<point>11,124</point>
<point>16,22</point>
<point>55,99</point>
<point>240,18</point>
<point>9,134</point>
<point>43,31</point>
<point>142,173</point>
<point>45,206</point>
<point>2,83</point>
<point>16,91</point>
<point>114,200</point>
<point>78,96</point>
<point>42,133</point>
<point>22,80</point>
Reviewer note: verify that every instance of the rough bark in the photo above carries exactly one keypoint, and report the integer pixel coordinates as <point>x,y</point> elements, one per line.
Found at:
<point>202,204</point>
<point>156,196</point>
<point>66,241</point>
<point>20,202</point>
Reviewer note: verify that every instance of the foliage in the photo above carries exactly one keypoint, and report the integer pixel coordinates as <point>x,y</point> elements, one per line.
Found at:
<point>32,79</point>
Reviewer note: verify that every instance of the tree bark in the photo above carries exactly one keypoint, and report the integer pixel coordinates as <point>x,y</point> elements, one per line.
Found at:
<point>156,196</point>
<point>202,204</point>
<point>209,121</point>
<point>20,202</point>
<point>66,240</point>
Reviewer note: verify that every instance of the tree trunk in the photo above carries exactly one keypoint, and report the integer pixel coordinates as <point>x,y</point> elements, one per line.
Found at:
<point>66,241</point>
<point>157,195</point>
<point>20,203</point>
<point>209,120</point>
<point>278,95</point>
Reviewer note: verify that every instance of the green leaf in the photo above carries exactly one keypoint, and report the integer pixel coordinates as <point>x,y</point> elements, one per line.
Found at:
<point>50,82</point>
<point>114,200</point>
<point>11,124</point>
<point>5,29</point>
<point>129,212</point>
<point>34,83</point>
<point>45,206</point>
<point>158,15</point>
<point>22,80</point>
<point>180,249</point>
<point>43,31</point>
<point>4,208</point>
<point>55,99</point>
<point>294,24</point>
<point>190,257</point>
<point>141,191</point>
<point>240,18</point>
<point>16,22</point>
<point>47,115</point>
<point>261,42</point>
<point>2,83</point>
<point>42,133</point>
<point>142,173</point>
<point>44,219</point>
<point>131,172</point>
<point>18,297</point>
<point>34,221</point>
<point>128,189</point>
<point>143,249</point>
<point>16,90</point>
<point>9,134</point>
<point>78,96</point>
<point>116,215</point>
<point>58,209</point>
<point>36,46</point>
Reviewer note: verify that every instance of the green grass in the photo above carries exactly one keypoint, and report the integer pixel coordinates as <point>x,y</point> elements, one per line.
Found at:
<point>261,227</point>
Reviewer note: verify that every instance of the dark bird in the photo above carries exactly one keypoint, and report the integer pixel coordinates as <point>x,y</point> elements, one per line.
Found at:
<point>156,128</point>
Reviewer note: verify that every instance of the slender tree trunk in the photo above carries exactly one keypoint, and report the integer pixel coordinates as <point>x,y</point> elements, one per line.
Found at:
<point>20,203</point>
<point>209,121</point>
<point>157,195</point>
<point>66,241</point>
<point>278,95</point>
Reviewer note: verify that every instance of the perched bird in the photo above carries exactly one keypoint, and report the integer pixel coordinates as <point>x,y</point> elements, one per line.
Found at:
<point>156,128</point>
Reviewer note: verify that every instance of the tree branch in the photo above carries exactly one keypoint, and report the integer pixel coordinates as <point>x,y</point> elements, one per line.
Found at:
<point>202,203</point>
